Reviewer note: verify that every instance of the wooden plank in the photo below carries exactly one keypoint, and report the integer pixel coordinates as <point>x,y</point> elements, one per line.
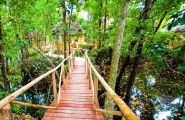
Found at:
<point>72,111</point>
<point>71,115</point>
<point>72,108</point>
<point>76,91</point>
<point>76,101</point>
<point>79,99</point>
<point>54,118</point>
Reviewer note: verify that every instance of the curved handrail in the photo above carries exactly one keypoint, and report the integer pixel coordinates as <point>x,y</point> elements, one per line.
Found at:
<point>125,110</point>
<point>12,96</point>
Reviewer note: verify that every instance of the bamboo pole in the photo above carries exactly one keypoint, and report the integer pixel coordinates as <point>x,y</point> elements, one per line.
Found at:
<point>71,59</point>
<point>88,70</point>
<point>74,59</point>
<point>60,80</point>
<point>95,91</point>
<point>92,87</point>
<point>12,96</point>
<point>90,77</point>
<point>126,111</point>
<point>5,113</point>
<point>85,63</point>
<point>54,89</point>
<point>69,68</point>
<point>33,105</point>
<point>63,77</point>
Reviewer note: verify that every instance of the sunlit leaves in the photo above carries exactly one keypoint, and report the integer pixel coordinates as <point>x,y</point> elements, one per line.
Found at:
<point>181,68</point>
<point>176,19</point>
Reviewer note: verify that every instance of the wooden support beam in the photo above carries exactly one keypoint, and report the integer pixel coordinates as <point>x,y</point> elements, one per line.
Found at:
<point>54,89</point>
<point>5,113</point>
<point>90,77</point>
<point>69,68</point>
<point>88,70</point>
<point>95,91</point>
<point>126,111</point>
<point>73,59</point>
<point>33,105</point>
<point>63,77</point>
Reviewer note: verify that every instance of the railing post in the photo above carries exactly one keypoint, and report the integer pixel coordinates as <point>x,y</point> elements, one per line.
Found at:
<point>95,91</point>
<point>69,68</point>
<point>5,113</point>
<point>123,118</point>
<point>54,89</point>
<point>63,76</point>
<point>88,66</point>
<point>85,63</point>
<point>90,77</point>
<point>71,59</point>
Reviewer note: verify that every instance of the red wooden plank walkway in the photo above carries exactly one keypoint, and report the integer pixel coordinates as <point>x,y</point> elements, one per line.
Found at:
<point>76,100</point>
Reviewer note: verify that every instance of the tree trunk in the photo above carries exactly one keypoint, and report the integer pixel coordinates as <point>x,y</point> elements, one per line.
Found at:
<point>133,74</point>
<point>105,22</point>
<point>115,55</point>
<point>145,15</point>
<point>160,22</point>
<point>2,60</point>
<point>65,33</point>
<point>100,25</point>
<point>69,26</point>
<point>119,78</point>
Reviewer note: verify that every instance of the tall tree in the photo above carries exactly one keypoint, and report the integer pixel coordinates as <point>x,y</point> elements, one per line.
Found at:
<point>145,15</point>
<point>65,27</point>
<point>2,59</point>
<point>116,53</point>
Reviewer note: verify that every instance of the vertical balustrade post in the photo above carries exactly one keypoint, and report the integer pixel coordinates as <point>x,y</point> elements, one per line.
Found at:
<point>69,68</point>
<point>90,77</point>
<point>5,113</point>
<point>85,62</point>
<point>123,118</point>
<point>74,58</point>
<point>88,66</point>
<point>95,91</point>
<point>71,59</point>
<point>63,76</point>
<point>54,89</point>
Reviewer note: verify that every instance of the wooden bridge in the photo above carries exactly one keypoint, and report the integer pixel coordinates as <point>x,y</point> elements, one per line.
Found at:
<point>76,99</point>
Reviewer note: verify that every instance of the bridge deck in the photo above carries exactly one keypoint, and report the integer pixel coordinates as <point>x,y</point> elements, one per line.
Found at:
<point>76,100</point>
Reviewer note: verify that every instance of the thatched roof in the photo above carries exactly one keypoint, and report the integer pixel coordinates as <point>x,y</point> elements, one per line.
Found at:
<point>73,25</point>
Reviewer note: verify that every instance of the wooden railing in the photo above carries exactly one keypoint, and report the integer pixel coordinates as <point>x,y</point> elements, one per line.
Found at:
<point>94,77</point>
<point>4,103</point>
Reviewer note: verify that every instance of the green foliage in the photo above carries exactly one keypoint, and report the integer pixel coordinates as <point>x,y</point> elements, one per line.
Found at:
<point>16,109</point>
<point>41,112</point>
<point>182,50</point>
<point>182,118</point>
<point>181,68</point>
<point>3,94</point>
<point>85,46</point>
<point>177,18</point>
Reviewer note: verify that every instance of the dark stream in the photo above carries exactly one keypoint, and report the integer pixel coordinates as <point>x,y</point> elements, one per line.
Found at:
<point>159,103</point>
<point>44,98</point>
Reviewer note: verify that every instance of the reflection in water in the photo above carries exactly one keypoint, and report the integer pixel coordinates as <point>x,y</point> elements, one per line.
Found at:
<point>151,105</point>
<point>44,98</point>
